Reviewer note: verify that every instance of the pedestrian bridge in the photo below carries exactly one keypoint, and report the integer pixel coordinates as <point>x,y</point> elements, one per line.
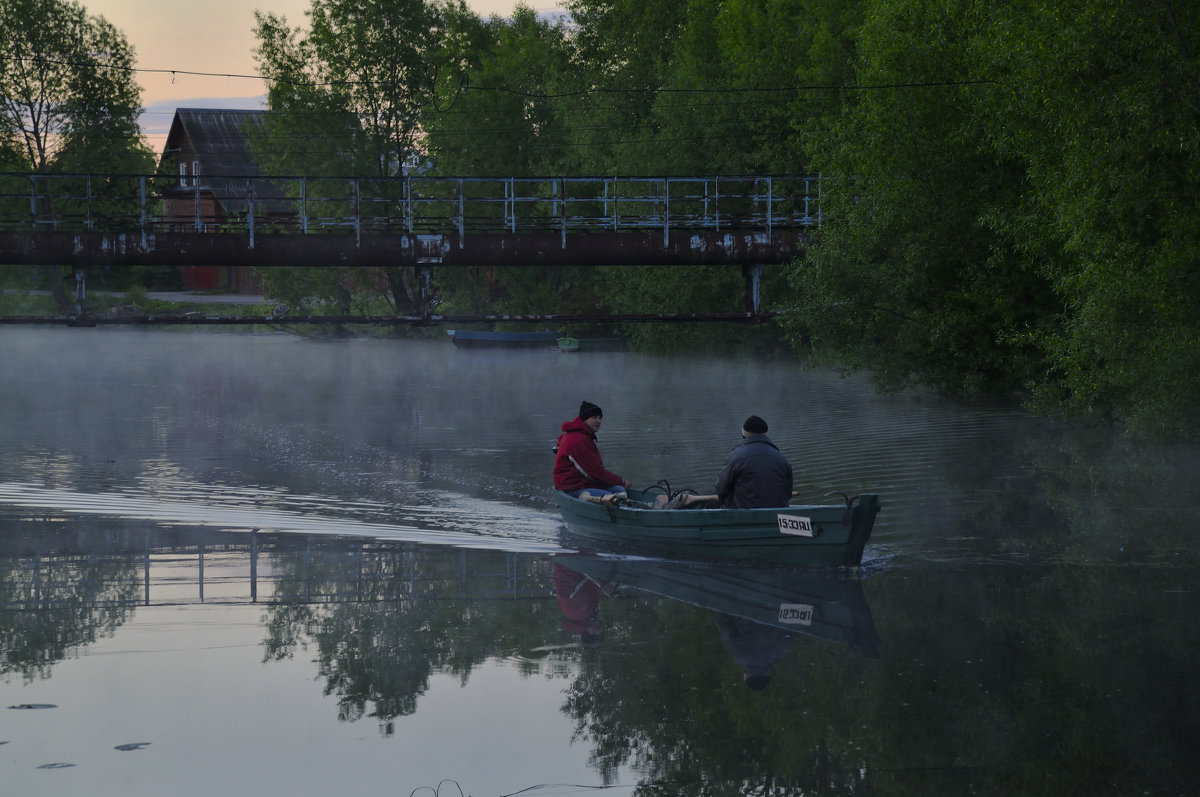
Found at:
<point>88,220</point>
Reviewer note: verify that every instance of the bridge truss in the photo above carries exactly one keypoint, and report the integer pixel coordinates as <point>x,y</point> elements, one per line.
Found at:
<point>83,220</point>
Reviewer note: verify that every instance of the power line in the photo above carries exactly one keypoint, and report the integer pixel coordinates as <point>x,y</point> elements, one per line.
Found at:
<point>736,90</point>
<point>542,95</point>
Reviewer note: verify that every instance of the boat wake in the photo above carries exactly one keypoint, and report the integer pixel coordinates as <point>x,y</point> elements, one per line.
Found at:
<point>465,523</point>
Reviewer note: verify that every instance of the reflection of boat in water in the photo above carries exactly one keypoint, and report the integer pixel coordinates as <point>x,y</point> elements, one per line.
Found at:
<point>475,339</point>
<point>814,535</point>
<point>809,603</point>
<point>591,344</point>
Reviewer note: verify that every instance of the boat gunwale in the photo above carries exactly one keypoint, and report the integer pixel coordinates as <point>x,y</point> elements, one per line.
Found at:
<point>742,534</point>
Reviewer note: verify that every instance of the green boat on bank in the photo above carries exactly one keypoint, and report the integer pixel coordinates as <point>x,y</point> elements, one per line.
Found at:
<point>815,535</point>
<point>591,344</point>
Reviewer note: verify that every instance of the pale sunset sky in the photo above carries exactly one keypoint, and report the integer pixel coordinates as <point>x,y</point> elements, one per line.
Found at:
<point>214,36</point>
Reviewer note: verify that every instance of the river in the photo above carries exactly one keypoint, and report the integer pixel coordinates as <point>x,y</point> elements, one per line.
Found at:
<point>260,563</point>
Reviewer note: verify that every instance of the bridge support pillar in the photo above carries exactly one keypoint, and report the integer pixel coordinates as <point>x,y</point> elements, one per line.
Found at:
<point>753,276</point>
<point>80,291</point>
<point>425,281</point>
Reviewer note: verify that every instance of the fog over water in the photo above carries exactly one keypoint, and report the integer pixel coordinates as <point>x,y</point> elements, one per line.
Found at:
<point>417,434</point>
<point>266,563</point>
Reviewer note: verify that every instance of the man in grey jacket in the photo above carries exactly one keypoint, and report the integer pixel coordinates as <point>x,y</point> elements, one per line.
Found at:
<point>755,474</point>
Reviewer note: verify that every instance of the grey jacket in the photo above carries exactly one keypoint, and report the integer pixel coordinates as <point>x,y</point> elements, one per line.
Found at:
<point>755,474</point>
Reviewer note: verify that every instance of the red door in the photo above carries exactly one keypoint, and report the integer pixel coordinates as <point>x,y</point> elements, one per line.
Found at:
<point>201,278</point>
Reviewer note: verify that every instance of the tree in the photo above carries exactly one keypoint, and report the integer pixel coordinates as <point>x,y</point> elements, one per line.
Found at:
<point>347,98</point>
<point>1011,205</point>
<point>1101,104</point>
<point>505,121</point>
<point>789,59</point>
<point>361,77</point>
<point>907,276</point>
<point>68,101</point>
<point>66,82</point>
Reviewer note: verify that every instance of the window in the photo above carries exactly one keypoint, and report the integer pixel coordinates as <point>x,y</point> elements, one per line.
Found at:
<point>183,175</point>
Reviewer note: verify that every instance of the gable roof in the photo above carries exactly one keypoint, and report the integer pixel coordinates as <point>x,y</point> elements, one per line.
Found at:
<point>219,139</point>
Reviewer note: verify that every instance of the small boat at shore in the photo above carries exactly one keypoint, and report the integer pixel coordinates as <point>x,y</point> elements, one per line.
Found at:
<point>476,339</point>
<point>817,535</point>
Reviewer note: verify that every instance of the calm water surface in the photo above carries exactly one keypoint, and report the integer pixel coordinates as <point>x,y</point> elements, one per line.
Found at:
<point>269,565</point>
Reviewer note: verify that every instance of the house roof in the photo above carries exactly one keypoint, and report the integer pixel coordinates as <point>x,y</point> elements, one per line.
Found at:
<point>219,139</point>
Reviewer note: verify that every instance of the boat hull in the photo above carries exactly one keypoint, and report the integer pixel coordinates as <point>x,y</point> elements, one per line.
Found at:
<point>838,533</point>
<point>591,344</point>
<point>472,339</point>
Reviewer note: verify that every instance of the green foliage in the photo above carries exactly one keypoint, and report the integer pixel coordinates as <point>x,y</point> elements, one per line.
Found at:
<point>1014,206</point>
<point>135,278</point>
<point>307,286</point>
<point>357,80</point>
<point>1101,106</point>
<point>69,98</point>
<point>513,291</point>
<point>506,124</point>
<point>689,289</point>
<point>1009,193</point>
<point>906,277</point>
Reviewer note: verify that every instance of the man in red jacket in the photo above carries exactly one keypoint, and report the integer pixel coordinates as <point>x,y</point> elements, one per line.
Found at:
<point>577,466</point>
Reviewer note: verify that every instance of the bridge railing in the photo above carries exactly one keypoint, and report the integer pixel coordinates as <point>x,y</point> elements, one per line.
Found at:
<point>69,203</point>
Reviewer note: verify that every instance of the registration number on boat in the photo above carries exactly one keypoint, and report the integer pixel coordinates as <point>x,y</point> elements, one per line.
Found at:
<point>796,613</point>
<point>798,526</point>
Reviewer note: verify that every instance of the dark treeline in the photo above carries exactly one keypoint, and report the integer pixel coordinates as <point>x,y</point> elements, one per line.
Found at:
<point>1009,190</point>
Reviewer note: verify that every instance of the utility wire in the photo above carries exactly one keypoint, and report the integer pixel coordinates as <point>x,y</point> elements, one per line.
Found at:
<point>541,95</point>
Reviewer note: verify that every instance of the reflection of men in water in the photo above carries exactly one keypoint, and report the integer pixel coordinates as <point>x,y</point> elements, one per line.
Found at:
<point>754,646</point>
<point>579,599</point>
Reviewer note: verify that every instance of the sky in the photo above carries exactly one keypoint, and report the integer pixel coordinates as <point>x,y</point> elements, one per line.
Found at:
<point>214,37</point>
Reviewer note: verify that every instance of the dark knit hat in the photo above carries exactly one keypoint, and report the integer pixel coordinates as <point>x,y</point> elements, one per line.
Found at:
<point>587,409</point>
<point>755,425</point>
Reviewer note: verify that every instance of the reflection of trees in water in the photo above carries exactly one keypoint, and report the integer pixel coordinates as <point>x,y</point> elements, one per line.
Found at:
<point>680,715</point>
<point>1001,680</point>
<point>1064,493</point>
<point>1047,679</point>
<point>55,599</point>
<point>1052,679</point>
<point>404,616</point>
<point>1117,496</point>
<point>674,705</point>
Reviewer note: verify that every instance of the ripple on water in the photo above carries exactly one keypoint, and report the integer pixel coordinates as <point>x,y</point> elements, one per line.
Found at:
<point>464,521</point>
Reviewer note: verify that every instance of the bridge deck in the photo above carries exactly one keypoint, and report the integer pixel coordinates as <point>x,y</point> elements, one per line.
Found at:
<point>285,220</point>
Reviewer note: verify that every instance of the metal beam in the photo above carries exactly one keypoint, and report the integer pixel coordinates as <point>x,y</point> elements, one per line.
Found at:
<point>480,249</point>
<point>201,319</point>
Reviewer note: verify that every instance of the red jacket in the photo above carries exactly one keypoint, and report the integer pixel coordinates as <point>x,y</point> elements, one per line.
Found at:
<point>578,455</point>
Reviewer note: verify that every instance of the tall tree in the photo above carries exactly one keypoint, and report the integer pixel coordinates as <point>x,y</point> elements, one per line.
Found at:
<point>907,276</point>
<point>363,65</point>
<point>1102,102</point>
<point>68,101</point>
<point>348,97</point>
<point>1013,205</point>
<point>504,121</point>
<point>67,94</point>
<point>622,50</point>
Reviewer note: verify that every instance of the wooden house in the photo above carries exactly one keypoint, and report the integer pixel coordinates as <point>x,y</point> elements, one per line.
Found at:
<point>208,156</point>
